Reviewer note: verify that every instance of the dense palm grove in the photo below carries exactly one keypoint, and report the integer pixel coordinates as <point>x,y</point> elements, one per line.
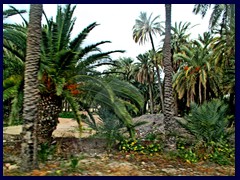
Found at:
<point>192,79</point>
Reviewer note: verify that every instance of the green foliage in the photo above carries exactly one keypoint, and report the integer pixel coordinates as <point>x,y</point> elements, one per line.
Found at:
<point>69,114</point>
<point>218,152</point>
<point>221,153</point>
<point>186,153</point>
<point>111,127</point>
<point>140,146</point>
<point>131,145</point>
<point>151,136</point>
<point>73,162</point>
<point>46,151</point>
<point>207,122</point>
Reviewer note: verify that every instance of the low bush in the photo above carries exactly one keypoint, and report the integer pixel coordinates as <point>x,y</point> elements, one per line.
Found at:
<point>145,147</point>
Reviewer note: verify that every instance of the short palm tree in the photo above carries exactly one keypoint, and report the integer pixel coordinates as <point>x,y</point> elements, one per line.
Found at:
<point>195,72</point>
<point>63,62</point>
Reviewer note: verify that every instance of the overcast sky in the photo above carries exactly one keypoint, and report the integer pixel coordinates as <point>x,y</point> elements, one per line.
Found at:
<point>117,20</point>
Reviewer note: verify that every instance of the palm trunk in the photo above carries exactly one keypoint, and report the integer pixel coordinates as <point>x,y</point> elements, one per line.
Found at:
<point>31,92</point>
<point>151,98</point>
<point>158,74</point>
<point>49,109</point>
<point>170,124</point>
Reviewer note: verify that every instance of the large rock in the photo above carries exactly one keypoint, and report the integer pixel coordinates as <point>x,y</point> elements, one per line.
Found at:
<point>155,124</point>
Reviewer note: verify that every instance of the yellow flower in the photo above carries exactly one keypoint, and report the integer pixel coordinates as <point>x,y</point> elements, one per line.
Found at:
<point>58,171</point>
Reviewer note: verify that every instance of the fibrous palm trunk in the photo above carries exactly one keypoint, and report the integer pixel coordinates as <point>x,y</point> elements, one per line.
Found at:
<point>49,108</point>
<point>31,92</point>
<point>151,102</point>
<point>170,124</point>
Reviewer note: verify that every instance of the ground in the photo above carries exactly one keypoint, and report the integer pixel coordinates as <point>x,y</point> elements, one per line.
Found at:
<point>90,157</point>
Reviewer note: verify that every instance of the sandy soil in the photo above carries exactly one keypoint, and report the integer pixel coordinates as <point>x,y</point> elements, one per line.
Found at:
<point>67,127</point>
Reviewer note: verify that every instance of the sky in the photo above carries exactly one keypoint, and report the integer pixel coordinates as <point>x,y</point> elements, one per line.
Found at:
<point>116,23</point>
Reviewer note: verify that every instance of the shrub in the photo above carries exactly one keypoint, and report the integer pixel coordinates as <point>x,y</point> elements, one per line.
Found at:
<point>46,151</point>
<point>140,146</point>
<point>218,152</point>
<point>208,122</point>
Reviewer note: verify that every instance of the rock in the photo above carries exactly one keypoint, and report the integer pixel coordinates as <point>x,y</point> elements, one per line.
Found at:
<point>7,165</point>
<point>143,163</point>
<point>110,155</point>
<point>12,167</point>
<point>169,171</point>
<point>122,166</point>
<point>99,174</point>
<point>182,169</point>
<point>128,156</point>
<point>155,124</point>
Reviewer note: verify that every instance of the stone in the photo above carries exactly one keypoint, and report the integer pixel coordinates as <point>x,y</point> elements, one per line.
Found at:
<point>12,167</point>
<point>7,165</point>
<point>169,171</point>
<point>99,174</point>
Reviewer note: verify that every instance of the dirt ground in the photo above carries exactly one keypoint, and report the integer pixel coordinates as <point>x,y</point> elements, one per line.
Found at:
<point>92,162</point>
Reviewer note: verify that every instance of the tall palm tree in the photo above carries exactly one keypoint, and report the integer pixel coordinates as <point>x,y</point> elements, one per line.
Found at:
<point>170,124</point>
<point>31,91</point>
<point>180,37</point>
<point>143,30</point>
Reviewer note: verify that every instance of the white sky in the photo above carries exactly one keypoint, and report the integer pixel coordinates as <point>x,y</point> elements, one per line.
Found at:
<point>117,20</point>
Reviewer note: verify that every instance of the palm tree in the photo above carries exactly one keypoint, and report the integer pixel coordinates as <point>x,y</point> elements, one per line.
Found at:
<point>118,96</point>
<point>12,81</point>
<point>170,124</point>
<point>224,62</point>
<point>62,61</point>
<point>31,91</point>
<point>63,64</point>
<point>143,30</point>
<point>180,37</point>
<point>197,72</point>
<point>144,75</point>
<point>123,68</point>
<point>13,11</point>
<point>223,12</point>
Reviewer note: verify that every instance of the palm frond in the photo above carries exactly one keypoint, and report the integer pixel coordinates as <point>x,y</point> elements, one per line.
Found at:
<point>75,43</point>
